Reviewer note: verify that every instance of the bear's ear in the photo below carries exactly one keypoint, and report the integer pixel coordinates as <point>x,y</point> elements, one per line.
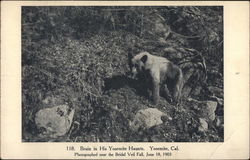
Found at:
<point>144,58</point>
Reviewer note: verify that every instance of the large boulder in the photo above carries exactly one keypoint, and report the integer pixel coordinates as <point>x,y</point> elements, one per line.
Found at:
<point>55,121</point>
<point>147,118</point>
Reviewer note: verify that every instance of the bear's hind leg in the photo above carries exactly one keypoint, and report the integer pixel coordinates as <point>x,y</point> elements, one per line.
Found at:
<point>167,94</point>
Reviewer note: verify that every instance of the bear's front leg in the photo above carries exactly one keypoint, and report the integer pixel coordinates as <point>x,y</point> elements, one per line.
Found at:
<point>156,91</point>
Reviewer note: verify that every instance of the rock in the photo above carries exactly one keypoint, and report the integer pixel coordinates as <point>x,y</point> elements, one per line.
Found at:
<point>220,101</point>
<point>219,121</point>
<point>207,110</point>
<point>203,125</point>
<point>218,92</point>
<point>197,91</point>
<point>56,120</point>
<point>147,118</point>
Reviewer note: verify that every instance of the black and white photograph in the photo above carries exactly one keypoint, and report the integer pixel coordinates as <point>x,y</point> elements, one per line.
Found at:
<point>122,73</point>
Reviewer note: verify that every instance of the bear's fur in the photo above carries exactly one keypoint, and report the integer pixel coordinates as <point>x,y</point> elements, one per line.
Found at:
<point>163,74</point>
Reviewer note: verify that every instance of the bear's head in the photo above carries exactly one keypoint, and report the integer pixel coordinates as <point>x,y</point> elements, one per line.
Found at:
<point>137,63</point>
